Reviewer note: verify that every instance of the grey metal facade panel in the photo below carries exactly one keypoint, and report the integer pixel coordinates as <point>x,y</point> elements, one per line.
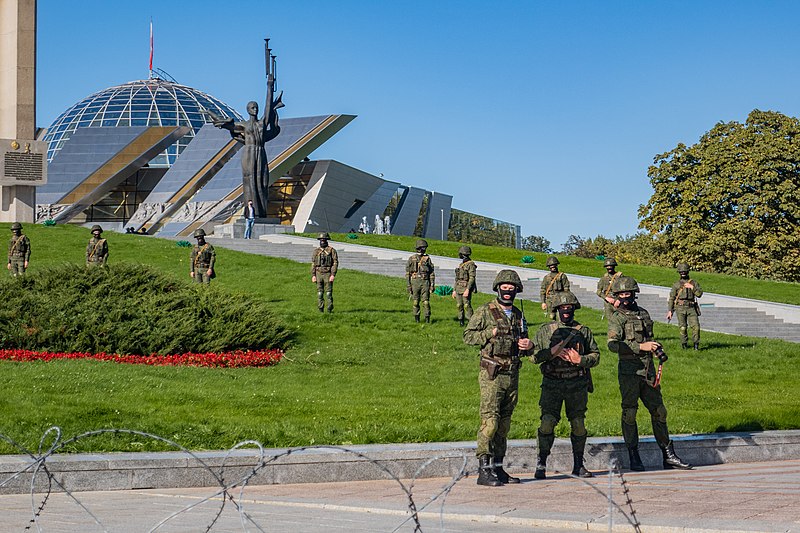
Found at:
<point>171,229</point>
<point>230,177</point>
<point>438,219</point>
<point>88,150</point>
<point>205,145</point>
<point>405,218</point>
<point>375,205</point>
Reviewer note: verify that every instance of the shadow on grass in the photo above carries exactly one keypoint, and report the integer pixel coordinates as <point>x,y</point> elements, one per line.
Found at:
<point>748,426</point>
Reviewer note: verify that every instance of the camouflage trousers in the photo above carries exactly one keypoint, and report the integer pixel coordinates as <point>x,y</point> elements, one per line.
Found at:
<point>687,318</point>
<point>421,292</point>
<point>632,388</point>
<point>201,275</point>
<point>573,394</point>
<point>324,289</point>
<point>498,399</point>
<point>17,266</point>
<point>463,305</point>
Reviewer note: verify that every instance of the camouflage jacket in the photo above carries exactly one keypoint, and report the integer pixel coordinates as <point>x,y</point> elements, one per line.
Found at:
<point>19,247</point>
<point>684,292</point>
<point>581,341</point>
<point>97,251</point>
<point>627,328</point>
<point>420,266</point>
<point>604,285</point>
<point>203,256</point>
<point>324,260</point>
<point>553,282</point>
<point>465,276</point>
<point>509,329</point>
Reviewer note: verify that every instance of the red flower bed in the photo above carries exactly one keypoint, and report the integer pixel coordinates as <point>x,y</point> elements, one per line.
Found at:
<point>237,359</point>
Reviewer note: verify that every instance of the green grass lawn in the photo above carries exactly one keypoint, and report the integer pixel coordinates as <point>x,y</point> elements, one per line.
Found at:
<point>365,374</point>
<point>774,291</point>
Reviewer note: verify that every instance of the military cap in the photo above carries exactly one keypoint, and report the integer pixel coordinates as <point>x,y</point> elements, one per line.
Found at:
<point>507,276</point>
<point>552,260</point>
<point>682,267</point>
<point>465,250</point>
<point>97,228</point>
<point>564,298</point>
<point>199,233</point>
<point>421,243</point>
<point>16,225</point>
<point>610,262</point>
<point>323,236</point>
<point>624,284</point>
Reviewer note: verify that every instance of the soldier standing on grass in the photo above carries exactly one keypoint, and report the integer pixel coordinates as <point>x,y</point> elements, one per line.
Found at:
<point>421,279</point>
<point>630,335</point>
<point>465,284</point>
<point>19,250</point>
<point>324,264</point>
<point>97,249</point>
<point>604,287</point>
<point>566,350</point>
<point>552,283</point>
<point>203,258</point>
<point>499,328</point>
<point>683,302</point>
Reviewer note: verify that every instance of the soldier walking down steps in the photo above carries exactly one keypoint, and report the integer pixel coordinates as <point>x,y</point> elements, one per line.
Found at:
<point>203,258</point>
<point>324,264</point>
<point>97,249</point>
<point>19,250</point>
<point>421,279</point>
<point>683,302</point>
<point>465,284</point>
<point>552,283</point>
<point>499,328</point>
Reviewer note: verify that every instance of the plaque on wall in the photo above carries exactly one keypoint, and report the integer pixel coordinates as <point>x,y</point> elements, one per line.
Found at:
<point>23,162</point>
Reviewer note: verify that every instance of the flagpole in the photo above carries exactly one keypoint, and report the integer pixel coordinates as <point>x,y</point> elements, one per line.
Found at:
<point>151,47</point>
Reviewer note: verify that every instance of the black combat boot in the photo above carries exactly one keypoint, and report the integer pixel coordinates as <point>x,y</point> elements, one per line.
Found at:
<point>578,447</point>
<point>697,346</point>
<point>486,475</point>
<point>541,467</point>
<point>636,461</point>
<point>416,318</point>
<point>671,460</point>
<point>685,346</point>
<point>427,320</point>
<point>461,322</point>
<point>501,474</point>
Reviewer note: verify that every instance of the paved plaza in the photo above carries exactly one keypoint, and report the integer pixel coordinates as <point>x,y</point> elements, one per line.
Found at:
<point>762,496</point>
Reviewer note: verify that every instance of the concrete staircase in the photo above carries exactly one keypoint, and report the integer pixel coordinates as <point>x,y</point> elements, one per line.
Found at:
<point>720,313</point>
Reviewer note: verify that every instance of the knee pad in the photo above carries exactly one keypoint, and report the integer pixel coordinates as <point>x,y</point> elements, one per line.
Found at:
<point>415,302</point>
<point>488,427</point>
<point>578,427</point>
<point>319,294</point>
<point>629,415</point>
<point>683,330</point>
<point>548,424</point>
<point>660,413</point>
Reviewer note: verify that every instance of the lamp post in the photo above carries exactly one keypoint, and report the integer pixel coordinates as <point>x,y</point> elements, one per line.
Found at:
<point>442,210</point>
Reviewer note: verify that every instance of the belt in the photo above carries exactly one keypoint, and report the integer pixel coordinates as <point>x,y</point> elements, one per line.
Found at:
<point>420,276</point>
<point>203,265</point>
<point>570,374</point>
<point>684,302</point>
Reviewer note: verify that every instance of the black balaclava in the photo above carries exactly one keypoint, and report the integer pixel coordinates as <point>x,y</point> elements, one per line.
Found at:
<point>628,302</point>
<point>566,317</point>
<point>684,275</point>
<point>506,297</point>
<point>323,243</point>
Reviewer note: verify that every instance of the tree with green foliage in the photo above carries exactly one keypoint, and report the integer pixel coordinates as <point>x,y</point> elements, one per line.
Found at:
<point>536,243</point>
<point>731,202</point>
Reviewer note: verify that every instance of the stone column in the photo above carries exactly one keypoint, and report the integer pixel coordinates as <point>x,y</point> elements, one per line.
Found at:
<point>17,97</point>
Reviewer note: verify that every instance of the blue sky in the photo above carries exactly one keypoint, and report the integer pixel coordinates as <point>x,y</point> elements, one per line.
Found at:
<point>545,114</point>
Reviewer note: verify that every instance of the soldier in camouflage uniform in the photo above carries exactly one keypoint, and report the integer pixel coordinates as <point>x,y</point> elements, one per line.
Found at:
<point>202,258</point>
<point>97,249</point>
<point>552,283</point>
<point>324,264</point>
<point>421,279</point>
<point>566,350</point>
<point>604,287</point>
<point>683,302</point>
<point>630,335</point>
<point>465,284</point>
<point>499,328</point>
<point>19,250</point>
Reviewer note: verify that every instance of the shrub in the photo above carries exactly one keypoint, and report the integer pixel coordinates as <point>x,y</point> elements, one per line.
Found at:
<point>130,309</point>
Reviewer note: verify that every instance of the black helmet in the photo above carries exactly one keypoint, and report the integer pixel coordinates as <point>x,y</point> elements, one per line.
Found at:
<point>610,262</point>
<point>324,236</point>
<point>624,284</point>
<point>421,243</point>
<point>564,298</point>
<point>682,267</point>
<point>507,276</point>
<point>199,233</point>
<point>552,260</point>
<point>465,250</point>
<point>16,225</point>
<point>97,228</point>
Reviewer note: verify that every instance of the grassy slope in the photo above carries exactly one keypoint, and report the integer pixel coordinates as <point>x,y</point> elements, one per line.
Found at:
<point>365,374</point>
<point>774,291</point>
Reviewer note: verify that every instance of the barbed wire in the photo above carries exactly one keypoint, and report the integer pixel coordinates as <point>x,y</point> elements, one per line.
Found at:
<point>51,443</point>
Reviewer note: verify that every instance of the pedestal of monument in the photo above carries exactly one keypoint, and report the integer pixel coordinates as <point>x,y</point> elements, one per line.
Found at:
<point>262,226</point>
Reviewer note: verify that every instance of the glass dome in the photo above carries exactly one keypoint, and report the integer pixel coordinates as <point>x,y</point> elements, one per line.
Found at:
<point>151,102</point>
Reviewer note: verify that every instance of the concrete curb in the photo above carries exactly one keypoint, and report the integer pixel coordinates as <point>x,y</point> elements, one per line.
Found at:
<point>125,471</point>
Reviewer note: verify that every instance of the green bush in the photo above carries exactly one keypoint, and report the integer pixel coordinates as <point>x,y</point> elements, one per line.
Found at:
<point>130,309</point>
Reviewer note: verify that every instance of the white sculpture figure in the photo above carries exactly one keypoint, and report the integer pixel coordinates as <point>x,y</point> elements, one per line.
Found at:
<point>387,225</point>
<point>378,225</point>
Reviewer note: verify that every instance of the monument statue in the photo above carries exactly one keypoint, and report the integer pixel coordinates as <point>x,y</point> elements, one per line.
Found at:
<point>254,133</point>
